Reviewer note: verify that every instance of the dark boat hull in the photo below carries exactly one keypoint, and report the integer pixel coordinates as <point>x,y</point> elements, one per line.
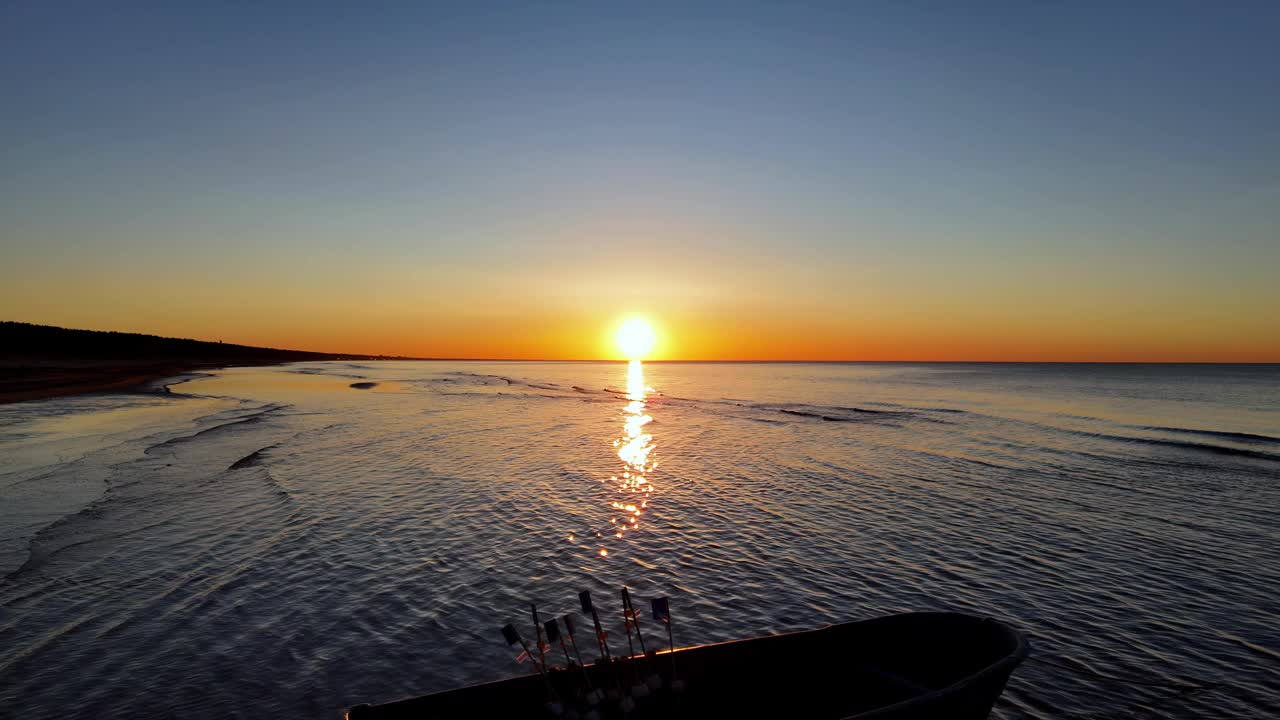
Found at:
<point>915,665</point>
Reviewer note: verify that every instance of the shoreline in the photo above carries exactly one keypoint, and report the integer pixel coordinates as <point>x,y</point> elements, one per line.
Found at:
<point>38,362</point>
<point>28,383</point>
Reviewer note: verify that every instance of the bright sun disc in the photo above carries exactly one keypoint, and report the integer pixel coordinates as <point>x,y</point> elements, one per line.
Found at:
<point>635,338</point>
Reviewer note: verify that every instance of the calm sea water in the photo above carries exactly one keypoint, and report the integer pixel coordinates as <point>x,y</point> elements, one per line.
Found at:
<point>274,542</point>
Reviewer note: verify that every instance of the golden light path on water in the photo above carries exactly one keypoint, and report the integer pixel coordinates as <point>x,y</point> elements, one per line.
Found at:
<point>632,486</point>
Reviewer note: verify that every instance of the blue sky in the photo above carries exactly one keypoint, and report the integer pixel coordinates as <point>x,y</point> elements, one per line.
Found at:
<point>718,147</point>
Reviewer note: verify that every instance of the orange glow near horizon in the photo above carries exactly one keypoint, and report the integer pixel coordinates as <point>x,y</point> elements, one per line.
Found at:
<point>691,337</point>
<point>1015,318</point>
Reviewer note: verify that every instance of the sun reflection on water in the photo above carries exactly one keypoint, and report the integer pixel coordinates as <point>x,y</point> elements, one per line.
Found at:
<point>632,487</point>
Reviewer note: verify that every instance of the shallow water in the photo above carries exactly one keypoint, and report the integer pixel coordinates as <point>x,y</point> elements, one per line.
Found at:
<point>275,542</point>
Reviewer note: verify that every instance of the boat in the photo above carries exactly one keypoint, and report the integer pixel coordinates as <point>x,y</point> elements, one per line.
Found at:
<point>919,665</point>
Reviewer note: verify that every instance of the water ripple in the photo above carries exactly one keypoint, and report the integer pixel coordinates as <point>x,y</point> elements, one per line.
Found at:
<point>321,545</point>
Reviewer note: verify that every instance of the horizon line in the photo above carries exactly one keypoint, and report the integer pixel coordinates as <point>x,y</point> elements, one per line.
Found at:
<point>402,358</point>
<point>406,358</point>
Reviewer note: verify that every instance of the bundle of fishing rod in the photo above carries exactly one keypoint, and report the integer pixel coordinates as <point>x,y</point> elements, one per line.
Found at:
<point>615,685</point>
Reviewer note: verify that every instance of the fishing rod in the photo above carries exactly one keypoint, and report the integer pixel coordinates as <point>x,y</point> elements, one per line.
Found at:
<point>569,630</point>
<point>593,695</point>
<point>638,688</point>
<point>553,635</point>
<point>513,636</point>
<point>602,638</point>
<point>537,627</point>
<point>654,681</point>
<point>662,613</point>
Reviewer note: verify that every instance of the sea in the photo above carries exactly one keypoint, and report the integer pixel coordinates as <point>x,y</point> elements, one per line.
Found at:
<point>289,541</point>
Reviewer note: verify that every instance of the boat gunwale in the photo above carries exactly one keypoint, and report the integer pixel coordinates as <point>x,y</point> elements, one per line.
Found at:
<point>1005,664</point>
<point>1011,660</point>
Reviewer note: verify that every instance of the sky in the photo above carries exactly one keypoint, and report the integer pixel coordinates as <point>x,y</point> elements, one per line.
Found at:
<point>782,181</point>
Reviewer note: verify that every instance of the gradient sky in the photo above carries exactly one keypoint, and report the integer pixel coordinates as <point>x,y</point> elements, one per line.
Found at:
<point>898,180</point>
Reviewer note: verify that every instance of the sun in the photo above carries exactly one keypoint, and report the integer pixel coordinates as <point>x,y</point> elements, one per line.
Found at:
<point>635,338</point>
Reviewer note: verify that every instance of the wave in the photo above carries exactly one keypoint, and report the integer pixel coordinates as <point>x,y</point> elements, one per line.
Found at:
<point>484,377</point>
<point>830,413</point>
<point>322,372</point>
<point>256,416</point>
<point>1238,436</point>
<point>126,486</point>
<point>915,408</point>
<point>1181,445</point>
<point>827,418</point>
<point>165,387</point>
<point>1204,447</point>
<point>1207,447</point>
<point>363,385</point>
<point>253,458</point>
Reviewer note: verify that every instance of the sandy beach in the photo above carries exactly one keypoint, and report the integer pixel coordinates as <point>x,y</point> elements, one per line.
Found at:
<point>36,382</point>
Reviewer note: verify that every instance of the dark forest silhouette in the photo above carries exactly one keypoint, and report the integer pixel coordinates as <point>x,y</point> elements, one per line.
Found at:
<point>44,361</point>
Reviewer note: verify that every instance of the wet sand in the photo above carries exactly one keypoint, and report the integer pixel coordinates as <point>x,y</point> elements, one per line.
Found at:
<point>40,361</point>
<point>36,382</point>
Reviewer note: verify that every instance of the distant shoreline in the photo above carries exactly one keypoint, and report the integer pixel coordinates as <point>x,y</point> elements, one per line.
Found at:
<point>40,361</point>
<point>22,384</point>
